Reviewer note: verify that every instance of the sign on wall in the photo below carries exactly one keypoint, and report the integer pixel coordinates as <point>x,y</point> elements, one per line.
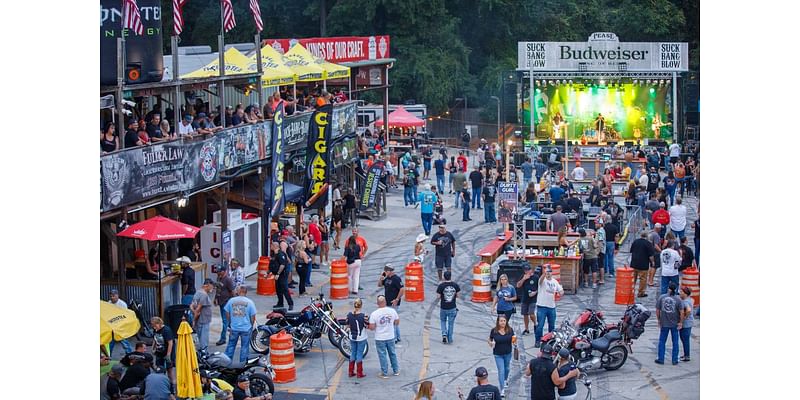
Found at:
<point>338,49</point>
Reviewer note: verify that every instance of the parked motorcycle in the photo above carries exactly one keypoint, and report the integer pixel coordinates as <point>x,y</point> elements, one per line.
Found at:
<point>145,330</point>
<point>259,370</point>
<point>306,325</point>
<point>609,351</point>
<point>592,324</point>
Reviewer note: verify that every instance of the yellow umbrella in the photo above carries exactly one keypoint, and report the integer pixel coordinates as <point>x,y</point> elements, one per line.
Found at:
<point>332,71</point>
<point>303,64</point>
<point>235,63</point>
<point>116,323</point>
<point>275,71</point>
<point>189,385</point>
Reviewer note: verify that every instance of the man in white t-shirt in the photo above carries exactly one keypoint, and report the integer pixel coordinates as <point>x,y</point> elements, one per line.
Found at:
<point>677,218</point>
<point>546,303</point>
<point>382,321</point>
<point>114,299</point>
<point>674,153</point>
<point>185,126</point>
<point>670,262</point>
<point>578,173</point>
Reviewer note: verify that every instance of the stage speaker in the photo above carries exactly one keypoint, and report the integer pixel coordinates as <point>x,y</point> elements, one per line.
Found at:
<point>560,142</point>
<point>657,143</point>
<point>509,103</point>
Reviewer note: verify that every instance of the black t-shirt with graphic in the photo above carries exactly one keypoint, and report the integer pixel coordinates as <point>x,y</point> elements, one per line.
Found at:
<point>529,290</point>
<point>160,339</point>
<point>448,290</point>
<point>484,392</point>
<point>391,288</point>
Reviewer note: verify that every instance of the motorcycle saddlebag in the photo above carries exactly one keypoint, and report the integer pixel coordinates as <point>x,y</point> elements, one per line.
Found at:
<point>635,318</point>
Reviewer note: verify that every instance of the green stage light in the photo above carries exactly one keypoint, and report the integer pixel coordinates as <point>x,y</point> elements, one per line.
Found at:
<point>538,90</point>
<point>652,90</point>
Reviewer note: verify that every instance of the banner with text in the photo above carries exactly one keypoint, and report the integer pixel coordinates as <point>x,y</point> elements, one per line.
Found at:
<point>602,53</point>
<point>370,189</point>
<point>338,49</point>
<point>507,199</point>
<point>318,158</point>
<point>276,201</point>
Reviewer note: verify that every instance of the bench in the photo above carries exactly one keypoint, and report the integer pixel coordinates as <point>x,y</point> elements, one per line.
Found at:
<point>491,251</point>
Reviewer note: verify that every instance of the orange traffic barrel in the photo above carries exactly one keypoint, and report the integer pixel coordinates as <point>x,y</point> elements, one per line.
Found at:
<point>556,275</point>
<point>339,282</point>
<point>481,283</point>
<point>691,279</point>
<point>266,282</point>
<point>414,287</point>
<point>624,291</point>
<point>281,355</point>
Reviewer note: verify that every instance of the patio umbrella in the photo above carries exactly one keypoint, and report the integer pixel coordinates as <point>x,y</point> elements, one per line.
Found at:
<point>160,228</point>
<point>188,374</point>
<point>116,323</point>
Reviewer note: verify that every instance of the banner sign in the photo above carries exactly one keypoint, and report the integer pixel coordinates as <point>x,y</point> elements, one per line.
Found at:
<point>507,199</point>
<point>318,158</point>
<point>344,120</point>
<point>370,76</point>
<point>370,189</point>
<point>226,248</point>
<point>295,129</point>
<point>603,52</point>
<point>344,152</point>
<point>276,203</point>
<point>338,49</point>
<point>244,144</point>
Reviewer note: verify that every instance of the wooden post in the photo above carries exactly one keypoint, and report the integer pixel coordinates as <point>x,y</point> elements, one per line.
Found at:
<point>266,218</point>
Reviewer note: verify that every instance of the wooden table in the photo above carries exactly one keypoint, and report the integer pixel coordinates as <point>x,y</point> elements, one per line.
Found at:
<point>570,269</point>
<point>493,249</point>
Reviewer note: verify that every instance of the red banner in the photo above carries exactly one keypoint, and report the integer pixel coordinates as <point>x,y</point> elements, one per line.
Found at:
<point>339,49</point>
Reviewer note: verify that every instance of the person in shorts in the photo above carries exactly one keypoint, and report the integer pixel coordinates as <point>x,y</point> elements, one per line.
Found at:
<point>528,287</point>
<point>445,244</point>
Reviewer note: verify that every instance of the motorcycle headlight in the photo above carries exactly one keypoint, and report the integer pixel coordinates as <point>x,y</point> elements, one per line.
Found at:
<point>263,361</point>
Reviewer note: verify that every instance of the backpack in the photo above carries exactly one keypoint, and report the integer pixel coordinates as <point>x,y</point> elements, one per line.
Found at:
<point>634,319</point>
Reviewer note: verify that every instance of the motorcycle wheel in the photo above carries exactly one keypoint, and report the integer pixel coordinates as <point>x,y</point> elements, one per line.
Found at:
<point>260,385</point>
<point>333,337</point>
<point>259,341</point>
<point>617,356</point>
<point>346,350</point>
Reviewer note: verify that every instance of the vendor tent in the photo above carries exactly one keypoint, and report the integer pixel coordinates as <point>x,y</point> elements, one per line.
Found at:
<point>235,63</point>
<point>401,118</point>
<point>330,70</point>
<point>275,71</point>
<point>303,64</point>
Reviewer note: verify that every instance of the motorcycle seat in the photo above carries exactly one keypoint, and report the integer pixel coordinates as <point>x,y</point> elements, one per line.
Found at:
<point>286,313</point>
<point>237,365</point>
<point>604,342</point>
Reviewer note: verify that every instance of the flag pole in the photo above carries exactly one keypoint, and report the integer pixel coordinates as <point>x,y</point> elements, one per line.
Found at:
<point>176,104</point>
<point>221,43</point>
<point>121,78</point>
<point>260,69</point>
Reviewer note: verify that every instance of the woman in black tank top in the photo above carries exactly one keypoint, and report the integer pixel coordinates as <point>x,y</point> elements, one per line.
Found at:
<point>108,138</point>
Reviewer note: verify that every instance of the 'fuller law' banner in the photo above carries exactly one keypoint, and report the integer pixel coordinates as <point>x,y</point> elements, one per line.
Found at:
<point>338,49</point>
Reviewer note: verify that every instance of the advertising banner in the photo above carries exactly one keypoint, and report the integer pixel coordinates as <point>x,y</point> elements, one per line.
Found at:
<point>344,152</point>
<point>370,189</point>
<point>603,52</point>
<point>276,202</point>
<point>507,200</point>
<point>244,144</point>
<point>344,120</point>
<point>337,49</point>
<point>318,158</point>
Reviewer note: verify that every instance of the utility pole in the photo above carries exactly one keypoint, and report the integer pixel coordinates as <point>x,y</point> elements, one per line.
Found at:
<point>322,15</point>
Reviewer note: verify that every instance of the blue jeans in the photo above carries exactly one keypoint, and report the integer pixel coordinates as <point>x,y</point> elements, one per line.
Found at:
<point>408,196</point>
<point>440,183</point>
<point>665,280</point>
<point>503,368</point>
<point>414,194</point>
<point>476,197</point>
<point>662,343</point>
<point>609,264</point>
<point>225,323</point>
<point>396,327</point>
<point>465,211</point>
<point>426,165</point>
<point>125,346</point>
<point>679,234</point>
<point>427,221</point>
<point>686,337</point>
<point>357,350</point>
<point>458,198</point>
<point>447,319</point>
<point>244,350</point>
<point>202,335</point>
<point>386,348</point>
<point>671,194</point>
<point>541,314</point>
<point>489,214</point>
<point>187,301</point>
<point>450,182</point>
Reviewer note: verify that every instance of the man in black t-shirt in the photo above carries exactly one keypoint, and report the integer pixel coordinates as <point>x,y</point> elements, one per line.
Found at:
<point>163,345</point>
<point>642,252</point>
<point>112,385</point>
<point>241,389</point>
<point>489,195</point>
<point>131,135</point>
<point>544,375</point>
<point>393,291</point>
<point>476,180</point>
<point>445,244</point>
<point>134,376</point>
<point>687,255</point>
<point>187,282</point>
<point>448,292</point>
<point>154,129</point>
<point>528,289</point>
<point>484,391</point>
<point>611,232</point>
<point>278,265</point>
<point>139,354</point>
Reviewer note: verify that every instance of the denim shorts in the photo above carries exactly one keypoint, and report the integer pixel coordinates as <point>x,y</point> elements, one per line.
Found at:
<point>589,265</point>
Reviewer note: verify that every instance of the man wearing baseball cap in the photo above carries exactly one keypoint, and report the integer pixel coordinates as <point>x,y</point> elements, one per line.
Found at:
<point>544,375</point>
<point>393,291</point>
<point>484,390</point>
<point>201,311</point>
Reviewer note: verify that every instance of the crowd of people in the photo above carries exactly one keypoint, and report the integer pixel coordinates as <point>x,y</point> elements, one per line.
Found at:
<point>200,119</point>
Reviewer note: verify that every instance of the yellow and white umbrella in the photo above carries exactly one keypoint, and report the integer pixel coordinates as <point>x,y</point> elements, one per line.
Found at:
<point>188,373</point>
<point>116,323</point>
<point>235,63</point>
<point>303,64</point>
<point>274,69</point>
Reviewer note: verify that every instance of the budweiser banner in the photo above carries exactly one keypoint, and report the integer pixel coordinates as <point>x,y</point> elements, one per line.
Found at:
<point>318,158</point>
<point>338,49</point>
<point>276,201</point>
<point>603,52</point>
<point>370,189</point>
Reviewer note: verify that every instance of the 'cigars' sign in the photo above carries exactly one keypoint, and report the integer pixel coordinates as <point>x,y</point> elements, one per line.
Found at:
<point>318,158</point>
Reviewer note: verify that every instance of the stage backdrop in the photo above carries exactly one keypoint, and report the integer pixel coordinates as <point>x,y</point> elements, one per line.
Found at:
<point>625,107</point>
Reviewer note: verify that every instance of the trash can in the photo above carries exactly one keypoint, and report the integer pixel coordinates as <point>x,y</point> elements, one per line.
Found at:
<point>174,314</point>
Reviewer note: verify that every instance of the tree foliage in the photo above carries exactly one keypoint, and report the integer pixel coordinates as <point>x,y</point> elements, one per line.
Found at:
<point>451,48</point>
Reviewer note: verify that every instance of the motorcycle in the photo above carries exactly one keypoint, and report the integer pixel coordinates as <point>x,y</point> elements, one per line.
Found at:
<point>306,325</point>
<point>592,324</point>
<point>259,370</point>
<point>145,329</point>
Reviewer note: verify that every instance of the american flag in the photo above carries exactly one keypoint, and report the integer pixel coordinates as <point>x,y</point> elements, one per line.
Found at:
<point>228,21</point>
<point>177,15</point>
<point>132,18</point>
<point>256,10</point>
